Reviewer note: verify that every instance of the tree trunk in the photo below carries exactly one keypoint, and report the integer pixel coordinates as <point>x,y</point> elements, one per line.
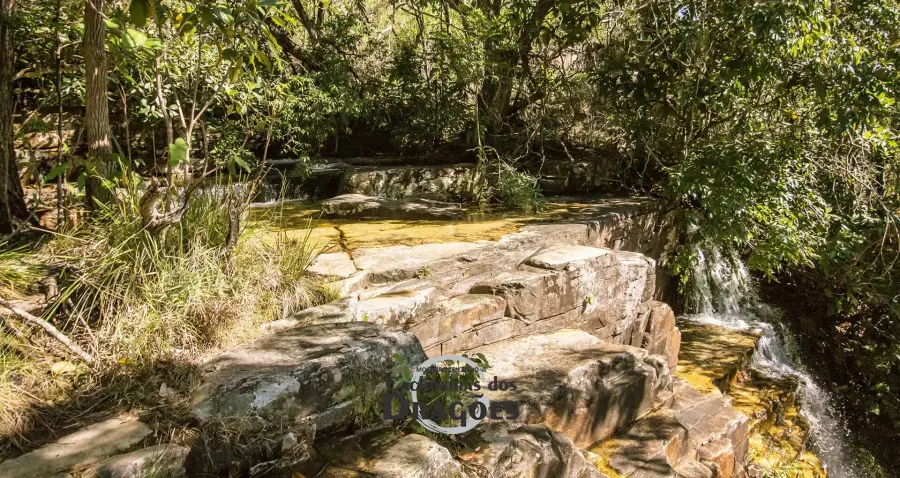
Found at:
<point>96,110</point>
<point>12,199</point>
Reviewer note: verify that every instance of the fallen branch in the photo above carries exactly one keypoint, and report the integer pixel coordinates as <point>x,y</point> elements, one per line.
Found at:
<point>49,328</point>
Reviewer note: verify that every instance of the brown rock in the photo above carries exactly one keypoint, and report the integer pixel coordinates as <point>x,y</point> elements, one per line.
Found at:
<point>359,206</point>
<point>458,315</point>
<point>718,456</point>
<point>575,384</point>
<point>531,296</point>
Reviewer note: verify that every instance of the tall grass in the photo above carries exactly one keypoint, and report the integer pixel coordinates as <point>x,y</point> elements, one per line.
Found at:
<point>142,296</point>
<point>142,300</point>
<point>17,271</point>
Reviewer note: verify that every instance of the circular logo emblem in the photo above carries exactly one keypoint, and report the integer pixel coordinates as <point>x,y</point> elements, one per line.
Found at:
<point>428,423</point>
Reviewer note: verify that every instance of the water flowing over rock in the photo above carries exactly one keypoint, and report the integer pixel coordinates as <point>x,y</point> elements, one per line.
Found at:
<point>723,296</point>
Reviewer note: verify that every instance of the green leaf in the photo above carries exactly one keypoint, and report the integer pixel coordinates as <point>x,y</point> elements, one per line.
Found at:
<point>153,43</point>
<point>138,11</point>
<point>236,69</point>
<point>243,164</point>
<point>133,38</point>
<point>177,152</point>
<point>56,171</point>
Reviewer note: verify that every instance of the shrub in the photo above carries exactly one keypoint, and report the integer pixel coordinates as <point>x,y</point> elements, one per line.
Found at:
<point>519,189</point>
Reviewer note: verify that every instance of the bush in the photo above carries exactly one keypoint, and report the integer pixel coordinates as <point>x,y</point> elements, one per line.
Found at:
<point>519,189</point>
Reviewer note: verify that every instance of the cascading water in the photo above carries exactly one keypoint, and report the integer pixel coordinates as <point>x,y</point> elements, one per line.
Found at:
<point>723,295</point>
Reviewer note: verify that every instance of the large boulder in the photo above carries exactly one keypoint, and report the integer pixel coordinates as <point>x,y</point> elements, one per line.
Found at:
<point>358,206</point>
<point>313,375</point>
<point>575,384</point>
<point>498,450</point>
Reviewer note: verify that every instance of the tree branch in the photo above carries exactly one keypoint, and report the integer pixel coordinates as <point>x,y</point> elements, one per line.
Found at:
<point>49,328</point>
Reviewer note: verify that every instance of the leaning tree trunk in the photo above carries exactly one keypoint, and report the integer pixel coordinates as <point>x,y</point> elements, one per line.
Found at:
<point>12,202</point>
<point>96,111</point>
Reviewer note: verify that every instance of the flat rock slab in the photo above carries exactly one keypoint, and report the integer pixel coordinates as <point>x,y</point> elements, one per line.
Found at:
<point>309,375</point>
<point>159,461</point>
<point>357,206</point>
<point>385,453</point>
<point>86,447</point>
<point>339,311</point>
<point>497,450</point>
<point>333,264</point>
<point>575,384</point>
<point>396,263</point>
<point>400,305</point>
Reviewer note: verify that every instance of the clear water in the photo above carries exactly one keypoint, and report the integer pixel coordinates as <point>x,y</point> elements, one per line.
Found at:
<point>723,295</point>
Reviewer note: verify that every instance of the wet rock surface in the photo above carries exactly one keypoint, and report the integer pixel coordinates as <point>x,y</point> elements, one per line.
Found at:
<point>715,359</point>
<point>695,434</point>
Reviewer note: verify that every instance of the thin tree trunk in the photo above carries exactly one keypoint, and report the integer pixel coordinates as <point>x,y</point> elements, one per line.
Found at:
<point>96,109</point>
<point>60,214</point>
<point>12,199</point>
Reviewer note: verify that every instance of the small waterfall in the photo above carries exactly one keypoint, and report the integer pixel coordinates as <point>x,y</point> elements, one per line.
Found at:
<point>723,295</point>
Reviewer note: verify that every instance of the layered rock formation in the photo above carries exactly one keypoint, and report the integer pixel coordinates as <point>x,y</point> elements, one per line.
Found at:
<point>558,309</point>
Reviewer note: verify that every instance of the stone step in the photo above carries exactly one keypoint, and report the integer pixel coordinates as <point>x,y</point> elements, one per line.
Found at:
<point>710,417</point>
<point>695,436</point>
<point>656,442</point>
<point>575,384</point>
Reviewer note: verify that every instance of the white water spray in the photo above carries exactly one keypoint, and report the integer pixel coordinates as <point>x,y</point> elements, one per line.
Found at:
<point>723,295</point>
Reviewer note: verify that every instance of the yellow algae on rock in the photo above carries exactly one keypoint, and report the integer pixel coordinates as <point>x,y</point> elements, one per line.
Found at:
<point>718,358</point>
